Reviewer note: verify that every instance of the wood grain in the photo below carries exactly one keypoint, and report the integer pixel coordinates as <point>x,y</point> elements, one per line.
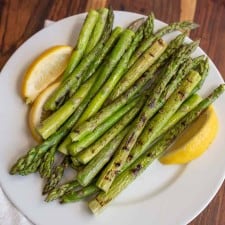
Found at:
<point>187,10</point>
<point>20,19</point>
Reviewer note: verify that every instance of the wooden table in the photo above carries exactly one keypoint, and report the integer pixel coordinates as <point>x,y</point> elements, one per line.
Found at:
<point>20,19</point>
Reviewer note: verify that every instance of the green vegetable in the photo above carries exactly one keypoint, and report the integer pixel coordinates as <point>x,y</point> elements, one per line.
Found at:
<point>151,129</point>
<point>82,42</point>
<point>154,152</point>
<point>88,139</point>
<point>56,175</point>
<point>87,174</point>
<point>98,30</point>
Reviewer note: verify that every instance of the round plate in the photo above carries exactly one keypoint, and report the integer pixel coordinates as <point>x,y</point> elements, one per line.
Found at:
<point>162,195</point>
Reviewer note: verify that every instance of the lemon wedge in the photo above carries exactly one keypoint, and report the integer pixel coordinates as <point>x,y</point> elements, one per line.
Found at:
<point>194,141</point>
<point>44,70</point>
<point>37,113</point>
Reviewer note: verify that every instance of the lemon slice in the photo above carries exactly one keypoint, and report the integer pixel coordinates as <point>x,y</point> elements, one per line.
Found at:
<point>194,141</point>
<point>37,113</point>
<point>44,70</point>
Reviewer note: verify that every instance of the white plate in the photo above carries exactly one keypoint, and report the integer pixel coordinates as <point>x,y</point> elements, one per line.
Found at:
<point>163,195</point>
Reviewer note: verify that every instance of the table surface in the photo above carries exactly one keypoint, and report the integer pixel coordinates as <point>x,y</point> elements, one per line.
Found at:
<point>20,19</point>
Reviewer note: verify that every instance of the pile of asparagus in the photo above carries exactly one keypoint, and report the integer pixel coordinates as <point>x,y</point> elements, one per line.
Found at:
<point>124,98</point>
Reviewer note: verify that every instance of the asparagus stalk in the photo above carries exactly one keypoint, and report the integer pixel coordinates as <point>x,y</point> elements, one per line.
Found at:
<point>154,152</point>
<point>74,196</point>
<point>140,66</point>
<point>134,25</point>
<point>75,78</point>
<point>149,26</point>
<point>98,30</point>
<point>149,74</point>
<point>86,155</point>
<point>186,25</point>
<point>87,174</point>
<point>56,175</point>
<point>105,50</point>
<point>61,190</point>
<point>46,165</point>
<point>55,120</point>
<point>185,108</point>
<point>83,143</point>
<point>204,71</point>
<point>82,42</point>
<point>98,100</point>
<point>153,127</point>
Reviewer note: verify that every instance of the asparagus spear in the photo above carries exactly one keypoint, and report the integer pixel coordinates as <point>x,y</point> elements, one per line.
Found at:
<point>46,165</point>
<point>136,168</point>
<point>141,65</point>
<point>149,74</point>
<point>137,70</point>
<point>185,108</point>
<point>186,25</point>
<point>74,195</point>
<point>75,78</point>
<point>61,190</point>
<point>56,119</point>
<point>79,145</point>
<point>87,174</point>
<point>86,155</point>
<point>153,127</point>
<point>134,25</point>
<point>149,26</point>
<point>204,71</point>
<point>56,175</point>
<point>82,41</point>
<point>98,30</point>
<point>107,47</point>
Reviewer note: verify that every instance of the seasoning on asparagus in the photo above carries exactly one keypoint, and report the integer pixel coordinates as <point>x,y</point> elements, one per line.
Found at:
<point>87,174</point>
<point>74,196</point>
<point>87,154</point>
<point>83,143</point>
<point>153,126</point>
